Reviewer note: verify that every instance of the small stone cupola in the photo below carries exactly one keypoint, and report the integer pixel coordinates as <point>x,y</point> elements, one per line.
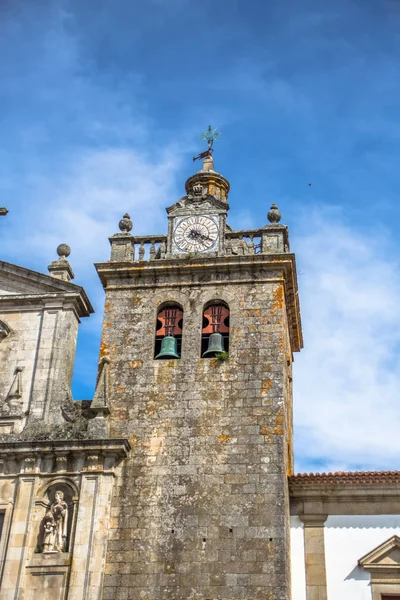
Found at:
<point>208,181</point>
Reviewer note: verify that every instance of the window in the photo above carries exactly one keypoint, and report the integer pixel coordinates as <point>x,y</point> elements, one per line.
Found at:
<point>168,342</point>
<point>215,331</point>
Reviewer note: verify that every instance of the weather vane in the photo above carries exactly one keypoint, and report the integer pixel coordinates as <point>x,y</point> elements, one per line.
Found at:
<point>209,136</point>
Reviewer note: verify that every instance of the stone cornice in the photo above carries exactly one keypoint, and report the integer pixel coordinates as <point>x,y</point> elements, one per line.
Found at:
<point>32,456</point>
<point>344,497</point>
<point>32,446</point>
<point>53,289</point>
<point>347,477</point>
<point>39,301</point>
<point>220,270</point>
<point>117,445</point>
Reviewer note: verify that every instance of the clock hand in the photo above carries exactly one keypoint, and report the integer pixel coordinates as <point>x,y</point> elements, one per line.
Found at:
<point>205,237</point>
<point>194,234</point>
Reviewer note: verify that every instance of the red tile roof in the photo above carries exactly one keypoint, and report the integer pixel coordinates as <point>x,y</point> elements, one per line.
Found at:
<point>347,477</point>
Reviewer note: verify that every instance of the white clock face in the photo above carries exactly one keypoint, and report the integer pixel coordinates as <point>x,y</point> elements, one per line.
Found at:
<point>196,234</point>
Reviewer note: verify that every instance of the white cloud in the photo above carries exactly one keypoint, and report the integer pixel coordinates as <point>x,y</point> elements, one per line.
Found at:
<point>347,379</point>
<point>82,207</point>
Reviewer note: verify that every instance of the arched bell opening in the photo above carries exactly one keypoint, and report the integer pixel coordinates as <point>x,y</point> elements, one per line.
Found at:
<point>215,330</point>
<point>168,341</point>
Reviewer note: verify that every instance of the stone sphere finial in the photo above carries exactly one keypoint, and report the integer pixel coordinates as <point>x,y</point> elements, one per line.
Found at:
<point>125,223</point>
<point>274,215</point>
<point>63,250</point>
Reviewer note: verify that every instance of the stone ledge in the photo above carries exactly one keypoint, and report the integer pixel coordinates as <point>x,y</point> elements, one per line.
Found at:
<point>220,270</point>
<point>50,559</point>
<point>29,446</point>
<point>61,457</point>
<point>344,499</point>
<point>180,264</point>
<point>11,301</point>
<point>48,288</point>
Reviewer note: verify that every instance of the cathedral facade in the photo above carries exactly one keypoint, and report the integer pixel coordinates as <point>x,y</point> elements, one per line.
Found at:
<point>176,480</point>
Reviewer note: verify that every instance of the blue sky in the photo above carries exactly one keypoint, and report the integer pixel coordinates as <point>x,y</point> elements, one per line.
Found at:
<point>101,104</point>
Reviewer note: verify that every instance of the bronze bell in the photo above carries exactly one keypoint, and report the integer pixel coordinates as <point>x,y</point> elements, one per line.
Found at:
<point>215,345</point>
<point>169,348</point>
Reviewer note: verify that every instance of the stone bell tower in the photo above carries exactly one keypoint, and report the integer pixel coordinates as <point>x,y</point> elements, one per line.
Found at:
<point>200,327</point>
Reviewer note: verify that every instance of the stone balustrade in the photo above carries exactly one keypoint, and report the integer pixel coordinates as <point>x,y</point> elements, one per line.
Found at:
<point>150,247</point>
<point>271,239</point>
<point>243,242</point>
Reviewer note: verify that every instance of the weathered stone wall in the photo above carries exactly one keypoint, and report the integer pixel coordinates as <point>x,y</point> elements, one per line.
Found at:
<point>30,475</point>
<point>200,507</point>
<point>18,349</point>
<point>42,342</point>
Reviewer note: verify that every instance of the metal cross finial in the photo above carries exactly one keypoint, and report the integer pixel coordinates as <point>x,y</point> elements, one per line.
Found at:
<point>209,136</point>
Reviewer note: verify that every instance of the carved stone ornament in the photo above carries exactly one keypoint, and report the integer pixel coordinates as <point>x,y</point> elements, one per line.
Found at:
<point>11,405</point>
<point>55,524</point>
<point>125,223</point>
<point>63,251</point>
<point>198,189</point>
<point>4,331</point>
<point>71,413</point>
<point>10,409</point>
<point>274,215</point>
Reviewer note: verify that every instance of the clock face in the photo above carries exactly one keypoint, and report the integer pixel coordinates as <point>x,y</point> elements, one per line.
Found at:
<point>196,233</point>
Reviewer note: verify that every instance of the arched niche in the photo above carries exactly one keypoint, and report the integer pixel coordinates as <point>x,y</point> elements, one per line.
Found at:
<point>169,323</point>
<point>216,317</point>
<point>48,501</point>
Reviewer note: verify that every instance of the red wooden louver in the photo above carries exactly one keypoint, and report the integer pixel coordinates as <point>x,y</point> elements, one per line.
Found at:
<point>170,319</point>
<point>216,315</point>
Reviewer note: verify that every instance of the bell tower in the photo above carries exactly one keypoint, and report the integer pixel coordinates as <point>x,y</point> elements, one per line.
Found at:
<point>200,327</point>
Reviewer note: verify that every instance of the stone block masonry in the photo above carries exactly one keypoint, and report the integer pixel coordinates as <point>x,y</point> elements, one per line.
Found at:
<point>200,507</point>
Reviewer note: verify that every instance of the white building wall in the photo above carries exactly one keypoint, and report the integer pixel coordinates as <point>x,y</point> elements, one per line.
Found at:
<point>348,538</point>
<point>298,567</point>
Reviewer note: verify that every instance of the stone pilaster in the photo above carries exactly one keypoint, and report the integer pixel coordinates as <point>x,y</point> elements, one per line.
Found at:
<point>14,565</point>
<point>91,536</point>
<point>314,550</point>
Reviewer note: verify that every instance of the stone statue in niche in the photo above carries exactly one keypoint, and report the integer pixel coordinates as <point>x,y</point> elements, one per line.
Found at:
<point>60,511</point>
<point>49,532</point>
<point>55,525</point>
